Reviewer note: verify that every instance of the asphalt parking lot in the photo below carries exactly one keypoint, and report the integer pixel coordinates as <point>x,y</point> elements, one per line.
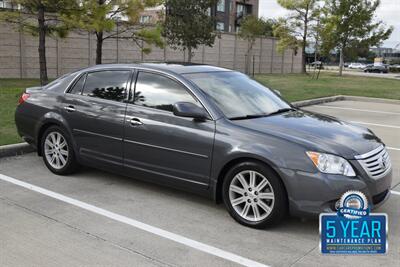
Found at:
<point>95,218</point>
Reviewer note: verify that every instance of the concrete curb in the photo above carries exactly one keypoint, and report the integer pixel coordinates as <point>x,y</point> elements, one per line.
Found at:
<point>15,150</point>
<point>317,101</point>
<point>322,100</point>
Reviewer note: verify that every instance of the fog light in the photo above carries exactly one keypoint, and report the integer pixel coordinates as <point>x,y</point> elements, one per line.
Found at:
<point>337,204</point>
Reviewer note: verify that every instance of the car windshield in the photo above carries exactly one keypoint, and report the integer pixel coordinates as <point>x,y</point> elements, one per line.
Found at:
<point>237,95</point>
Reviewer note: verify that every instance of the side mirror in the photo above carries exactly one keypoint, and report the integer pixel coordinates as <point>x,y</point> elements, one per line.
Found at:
<point>189,110</point>
<point>278,92</point>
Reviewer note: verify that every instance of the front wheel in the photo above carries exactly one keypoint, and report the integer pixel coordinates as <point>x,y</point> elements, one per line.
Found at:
<point>254,195</point>
<point>58,154</point>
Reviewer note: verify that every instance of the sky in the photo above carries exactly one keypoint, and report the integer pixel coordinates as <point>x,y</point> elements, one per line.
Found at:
<point>388,12</point>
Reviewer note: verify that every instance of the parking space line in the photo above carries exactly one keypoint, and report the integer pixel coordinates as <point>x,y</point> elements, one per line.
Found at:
<point>356,109</point>
<point>393,148</point>
<point>395,192</point>
<point>375,124</point>
<point>145,227</point>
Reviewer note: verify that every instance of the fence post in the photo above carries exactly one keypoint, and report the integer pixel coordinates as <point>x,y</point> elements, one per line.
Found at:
<point>219,51</point>
<point>59,58</point>
<point>234,52</point>
<point>117,48</point>
<point>203,54</point>
<point>89,49</point>
<point>141,51</point>
<point>261,52</point>
<point>21,54</point>
<point>291,71</point>
<point>254,63</point>
<point>272,56</point>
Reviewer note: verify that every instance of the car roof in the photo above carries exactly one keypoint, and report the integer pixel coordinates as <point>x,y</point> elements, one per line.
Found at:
<point>172,67</point>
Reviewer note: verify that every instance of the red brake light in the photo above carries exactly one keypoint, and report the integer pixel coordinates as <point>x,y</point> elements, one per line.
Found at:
<point>23,98</point>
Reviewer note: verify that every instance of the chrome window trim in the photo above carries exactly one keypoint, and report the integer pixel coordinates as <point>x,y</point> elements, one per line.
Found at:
<point>136,69</point>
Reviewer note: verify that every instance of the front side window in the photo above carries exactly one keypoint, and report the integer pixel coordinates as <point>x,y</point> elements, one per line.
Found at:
<point>236,94</point>
<point>160,92</point>
<point>109,85</point>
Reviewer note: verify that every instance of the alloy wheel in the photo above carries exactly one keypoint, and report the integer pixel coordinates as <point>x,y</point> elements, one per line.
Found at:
<point>251,195</point>
<point>56,150</point>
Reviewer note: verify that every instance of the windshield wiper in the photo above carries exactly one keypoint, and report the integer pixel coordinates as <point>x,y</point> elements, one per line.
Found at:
<point>254,116</point>
<point>281,110</point>
<point>249,116</point>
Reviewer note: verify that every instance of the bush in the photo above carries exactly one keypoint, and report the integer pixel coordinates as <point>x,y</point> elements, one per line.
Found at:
<point>394,69</point>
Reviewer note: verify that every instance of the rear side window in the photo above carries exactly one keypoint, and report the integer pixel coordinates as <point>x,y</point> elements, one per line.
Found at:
<point>157,91</point>
<point>78,86</point>
<point>109,85</point>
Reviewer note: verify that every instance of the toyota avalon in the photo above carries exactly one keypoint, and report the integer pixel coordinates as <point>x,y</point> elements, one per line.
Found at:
<point>204,129</point>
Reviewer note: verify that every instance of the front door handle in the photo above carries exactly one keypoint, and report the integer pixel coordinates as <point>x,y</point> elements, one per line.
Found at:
<point>136,122</point>
<point>69,108</point>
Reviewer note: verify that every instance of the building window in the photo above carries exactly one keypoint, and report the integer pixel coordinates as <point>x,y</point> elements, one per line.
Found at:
<point>145,19</point>
<point>8,4</point>
<point>209,11</point>
<point>239,10</point>
<point>220,26</point>
<point>221,6</point>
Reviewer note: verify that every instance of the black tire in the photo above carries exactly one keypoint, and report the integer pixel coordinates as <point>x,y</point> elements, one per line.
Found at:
<point>280,206</point>
<point>71,164</point>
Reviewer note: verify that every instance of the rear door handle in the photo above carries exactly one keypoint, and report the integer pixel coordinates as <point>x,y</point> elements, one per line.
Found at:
<point>69,108</point>
<point>136,122</point>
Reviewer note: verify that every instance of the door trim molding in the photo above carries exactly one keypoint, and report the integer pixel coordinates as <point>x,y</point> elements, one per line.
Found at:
<point>97,134</point>
<point>167,148</point>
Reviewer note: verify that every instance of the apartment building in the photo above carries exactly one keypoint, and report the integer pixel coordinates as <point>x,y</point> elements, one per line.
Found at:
<point>228,14</point>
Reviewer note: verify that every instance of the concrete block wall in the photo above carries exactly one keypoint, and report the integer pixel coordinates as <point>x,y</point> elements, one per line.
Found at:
<point>19,54</point>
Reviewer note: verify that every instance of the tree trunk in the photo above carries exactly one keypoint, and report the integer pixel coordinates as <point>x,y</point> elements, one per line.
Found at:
<point>189,49</point>
<point>341,62</point>
<point>304,43</point>
<point>42,46</point>
<point>303,50</point>
<point>99,47</point>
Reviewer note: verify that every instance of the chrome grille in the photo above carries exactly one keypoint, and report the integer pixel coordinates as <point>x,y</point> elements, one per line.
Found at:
<point>376,162</point>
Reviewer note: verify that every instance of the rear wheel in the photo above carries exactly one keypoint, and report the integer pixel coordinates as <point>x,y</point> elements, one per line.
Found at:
<point>58,154</point>
<point>254,195</point>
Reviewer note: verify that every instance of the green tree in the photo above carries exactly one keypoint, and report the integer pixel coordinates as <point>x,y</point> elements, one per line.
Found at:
<point>40,18</point>
<point>188,24</point>
<point>250,28</point>
<point>350,24</point>
<point>102,16</point>
<point>295,29</point>
<point>269,25</point>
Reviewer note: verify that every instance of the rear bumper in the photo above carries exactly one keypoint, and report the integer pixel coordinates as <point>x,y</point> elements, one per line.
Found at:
<point>25,126</point>
<point>313,193</point>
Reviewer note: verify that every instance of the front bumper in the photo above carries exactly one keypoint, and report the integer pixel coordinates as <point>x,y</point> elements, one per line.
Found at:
<point>314,193</point>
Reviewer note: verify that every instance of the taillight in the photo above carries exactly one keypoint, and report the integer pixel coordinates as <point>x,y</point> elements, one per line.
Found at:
<point>23,98</point>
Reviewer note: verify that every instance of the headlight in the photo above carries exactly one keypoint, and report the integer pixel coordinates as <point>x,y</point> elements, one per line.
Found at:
<point>327,163</point>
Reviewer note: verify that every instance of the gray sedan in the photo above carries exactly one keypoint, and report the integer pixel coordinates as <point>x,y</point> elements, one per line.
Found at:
<point>204,129</point>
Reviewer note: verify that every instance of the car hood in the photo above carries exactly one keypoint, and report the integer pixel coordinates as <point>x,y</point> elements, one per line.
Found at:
<point>316,132</point>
